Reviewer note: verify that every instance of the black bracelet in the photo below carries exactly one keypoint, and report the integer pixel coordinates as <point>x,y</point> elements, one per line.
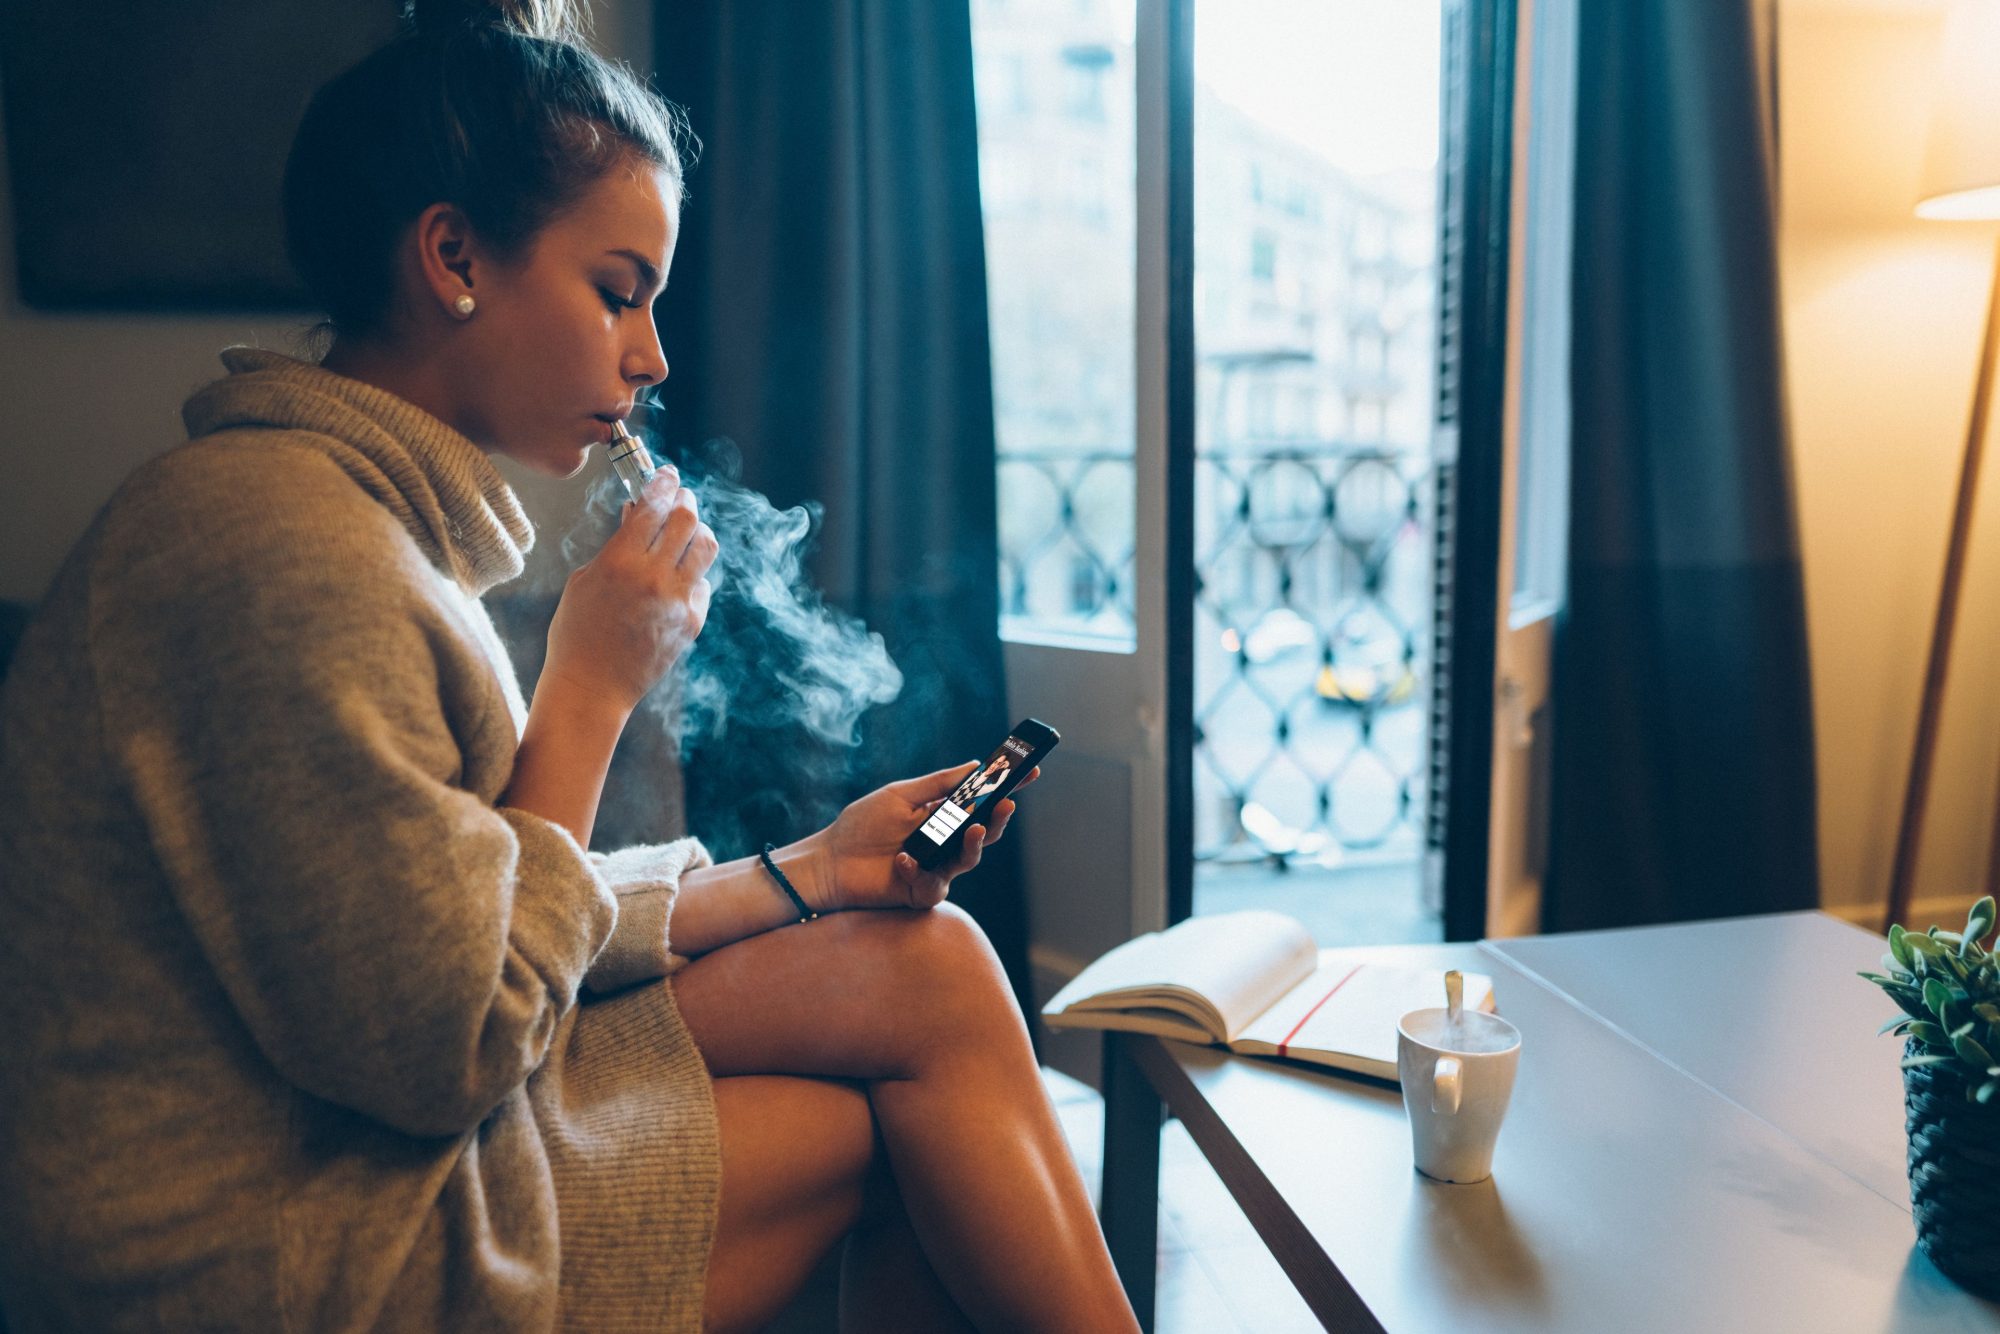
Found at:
<point>805,914</point>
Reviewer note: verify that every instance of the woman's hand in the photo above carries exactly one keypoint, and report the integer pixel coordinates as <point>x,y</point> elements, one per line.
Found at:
<point>859,860</point>
<point>627,615</point>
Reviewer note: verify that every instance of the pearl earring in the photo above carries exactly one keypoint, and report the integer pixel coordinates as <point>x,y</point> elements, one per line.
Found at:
<point>463,305</point>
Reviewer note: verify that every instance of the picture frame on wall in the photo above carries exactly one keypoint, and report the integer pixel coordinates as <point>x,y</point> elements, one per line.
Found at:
<point>146,143</point>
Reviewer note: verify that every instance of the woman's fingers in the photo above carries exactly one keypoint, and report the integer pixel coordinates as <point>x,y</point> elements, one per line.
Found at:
<point>640,527</point>
<point>923,889</point>
<point>700,551</point>
<point>968,851</point>
<point>933,787</point>
<point>678,528</point>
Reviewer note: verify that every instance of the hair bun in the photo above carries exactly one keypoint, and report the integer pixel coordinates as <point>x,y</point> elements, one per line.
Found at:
<point>553,20</point>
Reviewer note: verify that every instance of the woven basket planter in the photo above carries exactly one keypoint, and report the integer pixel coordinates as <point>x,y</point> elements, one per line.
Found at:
<point>1954,1176</point>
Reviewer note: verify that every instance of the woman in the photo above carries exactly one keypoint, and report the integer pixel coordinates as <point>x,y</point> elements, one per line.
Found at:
<point>320,1015</point>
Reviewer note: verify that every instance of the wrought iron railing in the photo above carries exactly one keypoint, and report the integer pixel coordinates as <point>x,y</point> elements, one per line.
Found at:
<point>1066,543</point>
<point>1313,589</point>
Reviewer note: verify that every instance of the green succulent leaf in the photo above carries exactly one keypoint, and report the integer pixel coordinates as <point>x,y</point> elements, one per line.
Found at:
<point>1988,1091</point>
<point>1936,997</point>
<point>1912,1003</point>
<point>1980,920</point>
<point>1947,985</point>
<point>1921,946</point>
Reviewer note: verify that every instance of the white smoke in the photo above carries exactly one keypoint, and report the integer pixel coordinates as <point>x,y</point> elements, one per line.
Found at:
<point>773,652</point>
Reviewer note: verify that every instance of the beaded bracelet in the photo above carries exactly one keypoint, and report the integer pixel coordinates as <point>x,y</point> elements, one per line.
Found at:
<point>805,914</point>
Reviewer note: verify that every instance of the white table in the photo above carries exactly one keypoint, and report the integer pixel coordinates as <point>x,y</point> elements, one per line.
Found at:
<point>1705,1135</point>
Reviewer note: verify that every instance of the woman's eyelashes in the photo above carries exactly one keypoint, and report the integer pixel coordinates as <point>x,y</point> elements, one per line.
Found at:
<point>615,301</point>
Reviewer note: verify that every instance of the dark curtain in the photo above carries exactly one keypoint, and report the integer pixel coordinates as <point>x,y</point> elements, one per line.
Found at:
<point>827,313</point>
<point>1683,783</point>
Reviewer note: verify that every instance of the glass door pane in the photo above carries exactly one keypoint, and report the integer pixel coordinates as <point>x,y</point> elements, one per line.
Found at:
<point>1055,87</point>
<point>1316,144</point>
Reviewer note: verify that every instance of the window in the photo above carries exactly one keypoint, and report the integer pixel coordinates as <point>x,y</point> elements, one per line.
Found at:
<point>1084,69</point>
<point>1059,182</point>
<point>1000,82</point>
<point>1263,257</point>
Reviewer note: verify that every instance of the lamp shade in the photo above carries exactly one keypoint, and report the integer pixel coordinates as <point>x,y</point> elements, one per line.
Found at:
<point>1962,166</point>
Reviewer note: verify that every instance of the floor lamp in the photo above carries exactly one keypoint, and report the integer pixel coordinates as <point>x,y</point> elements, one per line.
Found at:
<point>1961,181</point>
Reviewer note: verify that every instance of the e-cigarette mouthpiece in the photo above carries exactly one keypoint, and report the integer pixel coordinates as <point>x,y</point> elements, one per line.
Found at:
<point>630,459</point>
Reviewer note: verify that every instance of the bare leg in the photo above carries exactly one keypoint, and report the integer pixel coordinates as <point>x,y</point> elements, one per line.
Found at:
<point>801,1166</point>
<point>916,1007</point>
<point>886,1281</point>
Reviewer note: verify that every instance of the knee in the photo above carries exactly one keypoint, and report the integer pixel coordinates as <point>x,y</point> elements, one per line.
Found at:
<point>948,965</point>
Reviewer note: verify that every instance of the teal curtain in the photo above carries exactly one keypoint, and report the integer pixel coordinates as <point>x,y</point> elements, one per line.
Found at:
<point>827,313</point>
<point>1683,784</point>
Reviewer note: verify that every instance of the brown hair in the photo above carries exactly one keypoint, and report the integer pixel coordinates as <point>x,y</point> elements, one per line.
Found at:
<point>495,106</point>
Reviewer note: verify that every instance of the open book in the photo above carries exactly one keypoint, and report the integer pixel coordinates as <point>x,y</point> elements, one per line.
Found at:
<point>1254,982</point>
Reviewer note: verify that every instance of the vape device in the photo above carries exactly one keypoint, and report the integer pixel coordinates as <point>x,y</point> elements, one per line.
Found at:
<point>939,838</point>
<point>630,459</point>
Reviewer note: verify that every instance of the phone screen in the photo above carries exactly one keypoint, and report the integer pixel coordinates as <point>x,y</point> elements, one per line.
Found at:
<point>969,803</point>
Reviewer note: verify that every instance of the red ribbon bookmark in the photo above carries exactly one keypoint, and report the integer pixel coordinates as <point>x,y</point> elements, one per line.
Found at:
<point>1283,1046</point>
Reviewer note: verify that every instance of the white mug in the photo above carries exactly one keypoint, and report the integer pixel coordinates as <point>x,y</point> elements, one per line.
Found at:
<point>1456,1083</point>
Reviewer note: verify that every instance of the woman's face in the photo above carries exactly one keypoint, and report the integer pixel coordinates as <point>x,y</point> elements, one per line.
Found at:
<point>563,340</point>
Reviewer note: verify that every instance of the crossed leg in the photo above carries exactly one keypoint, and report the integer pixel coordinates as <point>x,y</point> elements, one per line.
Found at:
<point>872,1070</point>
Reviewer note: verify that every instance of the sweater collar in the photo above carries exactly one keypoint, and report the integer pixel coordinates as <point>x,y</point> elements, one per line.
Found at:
<point>442,488</point>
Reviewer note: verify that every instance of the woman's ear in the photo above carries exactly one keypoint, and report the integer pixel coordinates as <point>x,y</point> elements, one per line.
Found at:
<point>444,256</point>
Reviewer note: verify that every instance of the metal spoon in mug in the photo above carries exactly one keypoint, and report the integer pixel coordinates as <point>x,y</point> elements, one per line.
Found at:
<point>1454,998</point>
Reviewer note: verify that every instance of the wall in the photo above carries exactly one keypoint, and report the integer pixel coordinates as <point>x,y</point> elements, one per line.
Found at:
<point>1883,316</point>
<point>84,399</point>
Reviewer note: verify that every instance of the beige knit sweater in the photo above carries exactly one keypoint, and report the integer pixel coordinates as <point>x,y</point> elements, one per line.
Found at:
<point>299,1030</point>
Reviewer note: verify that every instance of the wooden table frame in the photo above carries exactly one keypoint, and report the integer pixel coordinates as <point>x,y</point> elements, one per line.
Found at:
<point>1142,1086</point>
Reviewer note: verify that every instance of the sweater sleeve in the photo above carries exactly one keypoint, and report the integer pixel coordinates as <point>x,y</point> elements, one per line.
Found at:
<point>647,881</point>
<point>287,704</point>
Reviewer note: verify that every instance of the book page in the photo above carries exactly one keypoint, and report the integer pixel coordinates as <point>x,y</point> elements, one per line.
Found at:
<point>1237,962</point>
<point>1350,1009</point>
<point>1160,1023</point>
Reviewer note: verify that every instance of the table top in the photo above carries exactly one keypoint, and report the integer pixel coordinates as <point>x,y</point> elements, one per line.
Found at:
<point>1650,1175</point>
<point>1764,1010</point>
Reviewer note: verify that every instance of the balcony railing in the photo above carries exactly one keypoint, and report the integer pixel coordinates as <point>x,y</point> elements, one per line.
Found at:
<point>1311,628</point>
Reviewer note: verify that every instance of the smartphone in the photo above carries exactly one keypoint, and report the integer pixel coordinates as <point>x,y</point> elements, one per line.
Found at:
<point>939,838</point>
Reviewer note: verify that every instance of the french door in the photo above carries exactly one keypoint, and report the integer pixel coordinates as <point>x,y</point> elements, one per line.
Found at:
<point>1110,835</point>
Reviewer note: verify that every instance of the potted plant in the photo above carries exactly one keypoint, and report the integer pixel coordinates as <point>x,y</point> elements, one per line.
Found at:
<point>1947,985</point>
